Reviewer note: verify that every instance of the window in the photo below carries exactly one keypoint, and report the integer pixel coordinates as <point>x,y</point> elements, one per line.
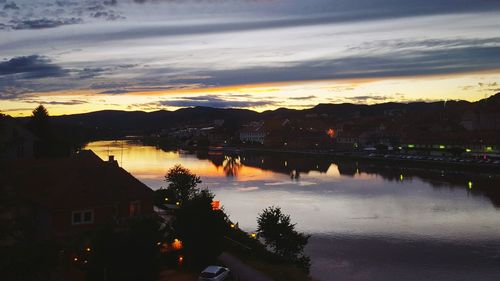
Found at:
<point>135,208</point>
<point>82,217</point>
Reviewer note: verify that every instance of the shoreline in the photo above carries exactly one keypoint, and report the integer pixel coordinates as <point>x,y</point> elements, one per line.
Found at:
<point>445,163</point>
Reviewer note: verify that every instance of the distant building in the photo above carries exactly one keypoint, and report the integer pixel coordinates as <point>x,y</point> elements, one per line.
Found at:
<point>253,133</point>
<point>481,120</point>
<point>76,194</point>
<point>15,141</point>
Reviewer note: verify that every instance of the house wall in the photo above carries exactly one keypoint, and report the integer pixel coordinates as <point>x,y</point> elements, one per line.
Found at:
<point>61,220</point>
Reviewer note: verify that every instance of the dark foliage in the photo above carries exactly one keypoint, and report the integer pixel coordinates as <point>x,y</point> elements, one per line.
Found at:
<point>164,196</point>
<point>53,140</point>
<point>201,228</point>
<point>39,123</point>
<point>280,235</point>
<point>126,252</point>
<point>182,183</point>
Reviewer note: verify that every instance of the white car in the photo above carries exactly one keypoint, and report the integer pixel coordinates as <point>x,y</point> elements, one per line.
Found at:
<point>214,273</point>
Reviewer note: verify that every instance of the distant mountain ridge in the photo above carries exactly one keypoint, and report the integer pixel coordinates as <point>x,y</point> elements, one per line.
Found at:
<point>116,121</point>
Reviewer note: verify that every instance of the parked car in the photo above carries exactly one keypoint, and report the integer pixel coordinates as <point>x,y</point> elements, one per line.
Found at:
<point>214,273</point>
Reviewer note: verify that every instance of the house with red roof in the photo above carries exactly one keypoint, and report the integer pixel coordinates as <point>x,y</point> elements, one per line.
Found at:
<point>76,194</point>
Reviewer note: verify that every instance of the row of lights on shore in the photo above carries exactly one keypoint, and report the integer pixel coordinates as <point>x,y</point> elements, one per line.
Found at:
<point>253,234</point>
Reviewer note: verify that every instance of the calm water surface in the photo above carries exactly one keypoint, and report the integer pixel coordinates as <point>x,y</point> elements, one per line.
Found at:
<point>368,221</point>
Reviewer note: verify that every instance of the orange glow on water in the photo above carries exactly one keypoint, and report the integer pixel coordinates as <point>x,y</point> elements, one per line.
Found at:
<point>147,162</point>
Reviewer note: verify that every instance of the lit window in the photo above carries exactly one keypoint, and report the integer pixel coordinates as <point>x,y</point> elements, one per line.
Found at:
<point>82,217</point>
<point>135,208</point>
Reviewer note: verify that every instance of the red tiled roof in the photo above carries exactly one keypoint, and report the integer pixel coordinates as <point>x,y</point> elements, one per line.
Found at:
<point>80,181</point>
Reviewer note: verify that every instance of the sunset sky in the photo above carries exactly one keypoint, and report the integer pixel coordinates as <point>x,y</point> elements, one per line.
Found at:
<point>85,55</point>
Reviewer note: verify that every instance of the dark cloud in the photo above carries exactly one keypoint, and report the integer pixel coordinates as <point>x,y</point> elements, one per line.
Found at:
<point>492,84</point>
<point>115,92</point>
<point>71,102</point>
<point>48,14</point>
<point>110,2</point>
<point>87,73</point>
<point>106,15</point>
<point>396,64</point>
<point>364,99</point>
<point>428,44</point>
<point>43,23</point>
<point>214,101</point>
<point>345,10</point>
<point>11,6</point>
<point>109,85</point>
<point>303,98</point>
<point>31,67</point>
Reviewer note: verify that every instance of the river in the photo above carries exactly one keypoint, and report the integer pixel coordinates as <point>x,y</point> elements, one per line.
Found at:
<point>367,220</point>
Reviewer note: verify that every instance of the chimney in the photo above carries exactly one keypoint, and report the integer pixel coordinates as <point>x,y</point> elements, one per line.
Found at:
<point>112,161</point>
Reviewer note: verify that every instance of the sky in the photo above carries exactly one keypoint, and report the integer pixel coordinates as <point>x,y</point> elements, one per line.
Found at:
<point>78,56</point>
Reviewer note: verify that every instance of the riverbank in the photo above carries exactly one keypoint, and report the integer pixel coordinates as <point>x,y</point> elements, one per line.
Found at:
<point>417,160</point>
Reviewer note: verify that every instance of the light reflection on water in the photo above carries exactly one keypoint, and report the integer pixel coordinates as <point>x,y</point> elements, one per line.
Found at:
<point>384,208</point>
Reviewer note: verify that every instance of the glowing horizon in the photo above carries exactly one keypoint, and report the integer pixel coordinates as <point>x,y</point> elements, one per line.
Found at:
<point>261,55</point>
<point>439,87</point>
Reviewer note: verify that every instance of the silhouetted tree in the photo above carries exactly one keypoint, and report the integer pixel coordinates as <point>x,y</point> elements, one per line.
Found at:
<point>182,182</point>
<point>280,235</point>
<point>201,228</point>
<point>39,123</point>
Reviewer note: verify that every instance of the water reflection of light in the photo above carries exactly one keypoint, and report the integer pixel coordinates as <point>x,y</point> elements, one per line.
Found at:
<point>364,204</point>
<point>232,166</point>
<point>150,163</point>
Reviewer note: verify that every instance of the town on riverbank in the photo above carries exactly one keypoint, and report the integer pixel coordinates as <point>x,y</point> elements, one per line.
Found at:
<point>66,214</point>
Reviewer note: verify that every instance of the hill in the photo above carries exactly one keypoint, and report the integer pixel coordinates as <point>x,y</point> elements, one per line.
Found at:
<point>119,123</point>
